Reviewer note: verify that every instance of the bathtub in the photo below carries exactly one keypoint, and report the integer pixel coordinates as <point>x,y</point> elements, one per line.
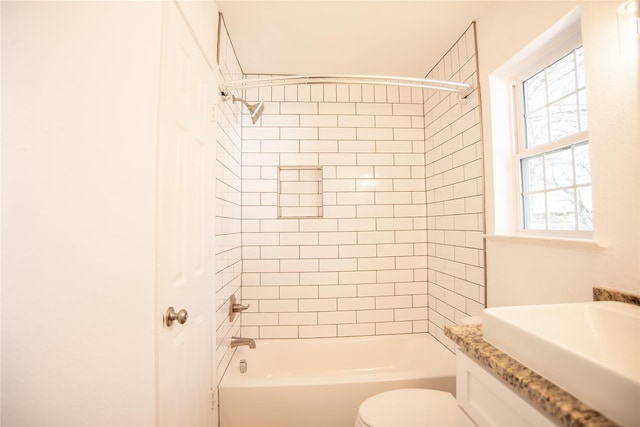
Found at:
<point>321,382</point>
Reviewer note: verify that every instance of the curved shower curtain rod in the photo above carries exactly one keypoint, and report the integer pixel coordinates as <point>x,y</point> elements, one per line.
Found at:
<point>463,89</point>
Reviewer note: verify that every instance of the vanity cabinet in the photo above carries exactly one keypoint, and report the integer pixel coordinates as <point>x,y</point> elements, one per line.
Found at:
<point>484,399</point>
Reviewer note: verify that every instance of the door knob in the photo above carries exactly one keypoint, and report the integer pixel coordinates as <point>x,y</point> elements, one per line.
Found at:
<point>171,316</point>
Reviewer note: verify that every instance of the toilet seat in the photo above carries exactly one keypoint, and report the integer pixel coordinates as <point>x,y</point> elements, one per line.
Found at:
<point>409,407</point>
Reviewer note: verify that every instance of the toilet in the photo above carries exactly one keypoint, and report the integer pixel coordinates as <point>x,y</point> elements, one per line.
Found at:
<point>411,407</point>
<point>408,407</point>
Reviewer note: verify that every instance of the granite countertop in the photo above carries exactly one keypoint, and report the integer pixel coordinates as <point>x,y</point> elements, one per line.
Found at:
<point>540,392</point>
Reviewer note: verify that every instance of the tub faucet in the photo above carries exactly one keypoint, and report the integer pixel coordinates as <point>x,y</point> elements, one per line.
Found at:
<point>238,341</point>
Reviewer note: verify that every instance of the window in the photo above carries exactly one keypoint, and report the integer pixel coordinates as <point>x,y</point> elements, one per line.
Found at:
<point>553,148</point>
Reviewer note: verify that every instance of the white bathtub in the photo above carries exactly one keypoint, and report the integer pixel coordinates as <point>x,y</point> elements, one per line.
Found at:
<point>321,382</point>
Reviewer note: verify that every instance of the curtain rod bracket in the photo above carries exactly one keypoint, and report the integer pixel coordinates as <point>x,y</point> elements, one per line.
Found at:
<point>463,94</point>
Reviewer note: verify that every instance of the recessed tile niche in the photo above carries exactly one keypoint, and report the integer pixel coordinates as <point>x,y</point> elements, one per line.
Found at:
<point>299,192</point>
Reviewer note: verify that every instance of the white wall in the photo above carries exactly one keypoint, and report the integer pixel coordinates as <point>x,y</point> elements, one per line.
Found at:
<point>202,17</point>
<point>80,84</point>
<point>525,272</point>
<point>79,108</point>
<point>0,215</point>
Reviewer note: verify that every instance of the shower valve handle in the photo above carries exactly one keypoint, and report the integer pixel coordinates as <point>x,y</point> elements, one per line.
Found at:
<point>234,307</point>
<point>237,308</point>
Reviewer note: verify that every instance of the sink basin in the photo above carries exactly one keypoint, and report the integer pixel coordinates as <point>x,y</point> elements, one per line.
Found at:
<point>590,349</point>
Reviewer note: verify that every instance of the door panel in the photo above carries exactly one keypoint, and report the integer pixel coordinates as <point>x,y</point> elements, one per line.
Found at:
<point>185,196</point>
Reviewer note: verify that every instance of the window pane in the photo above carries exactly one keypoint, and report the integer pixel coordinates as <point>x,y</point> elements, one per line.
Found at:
<point>583,163</point>
<point>561,210</point>
<point>535,90</point>
<point>532,173</point>
<point>561,78</point>
<point>559,168</point>
<point>580,66</point>
<point>537,128</point>
<point>534,211</point>
<point>582,98</point>
<point>563,117</point>
<point>585,209</point>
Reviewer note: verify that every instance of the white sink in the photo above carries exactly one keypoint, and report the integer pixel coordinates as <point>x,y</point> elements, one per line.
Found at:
<point>591,350</point>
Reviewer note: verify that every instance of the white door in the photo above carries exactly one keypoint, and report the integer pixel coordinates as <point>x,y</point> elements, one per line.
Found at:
<point>185,196</point>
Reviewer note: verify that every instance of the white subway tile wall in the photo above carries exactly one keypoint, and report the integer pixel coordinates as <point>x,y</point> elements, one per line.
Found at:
<point>228,208</point>
<point>454,191</point>
<point>361,268</point>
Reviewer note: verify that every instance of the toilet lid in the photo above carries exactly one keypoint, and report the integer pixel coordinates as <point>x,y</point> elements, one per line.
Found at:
<point>411,407</point>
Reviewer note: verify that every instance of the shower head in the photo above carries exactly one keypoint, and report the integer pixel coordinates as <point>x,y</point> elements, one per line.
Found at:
<point>255,110</point>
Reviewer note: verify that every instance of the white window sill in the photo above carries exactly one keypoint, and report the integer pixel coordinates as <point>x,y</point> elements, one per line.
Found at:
<point>547,241</point>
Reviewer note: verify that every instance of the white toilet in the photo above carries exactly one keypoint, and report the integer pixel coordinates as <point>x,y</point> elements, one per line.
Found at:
<point>411,407</point>
<point>408,407</point>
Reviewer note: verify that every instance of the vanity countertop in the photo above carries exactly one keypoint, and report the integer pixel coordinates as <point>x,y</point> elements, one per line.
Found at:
<point>542,394</point>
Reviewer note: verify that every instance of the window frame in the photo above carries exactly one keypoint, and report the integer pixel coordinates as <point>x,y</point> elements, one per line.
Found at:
<point>556,49</point>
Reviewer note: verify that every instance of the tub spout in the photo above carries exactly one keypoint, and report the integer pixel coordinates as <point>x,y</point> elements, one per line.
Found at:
<point>238,341</point>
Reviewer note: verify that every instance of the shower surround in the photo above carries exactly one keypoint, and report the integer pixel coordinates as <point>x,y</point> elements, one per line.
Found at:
<point>360,269</point>
<point>398,248</point>
<point>388,237</point>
